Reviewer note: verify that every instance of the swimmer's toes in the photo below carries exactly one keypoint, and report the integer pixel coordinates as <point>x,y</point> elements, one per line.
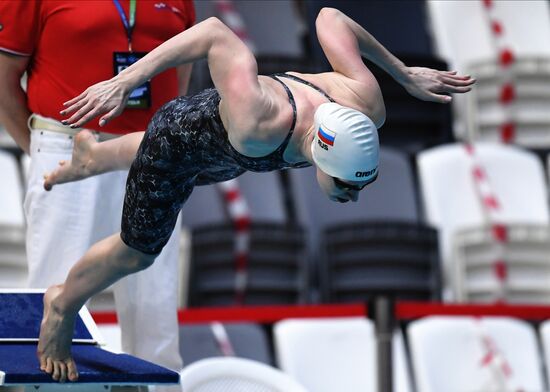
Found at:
<point>42,360</point>
<point>62,371</point>
<point>49,365</point>
<point>72,371</point>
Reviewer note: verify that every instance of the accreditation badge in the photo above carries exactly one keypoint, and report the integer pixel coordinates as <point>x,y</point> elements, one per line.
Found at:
<point>140,98</point>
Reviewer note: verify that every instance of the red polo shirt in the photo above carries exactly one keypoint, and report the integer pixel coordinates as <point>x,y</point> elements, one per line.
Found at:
<point>71,44</point>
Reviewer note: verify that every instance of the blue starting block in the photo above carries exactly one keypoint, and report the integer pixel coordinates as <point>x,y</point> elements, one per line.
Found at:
<point>98,369</point>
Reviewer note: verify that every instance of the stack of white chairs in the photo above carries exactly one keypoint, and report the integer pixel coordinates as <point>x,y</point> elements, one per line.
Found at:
<point>528,111</point>
<point>527,256</point>
<point>327,355</point>
<point>465,354</point>
<point>227,374</point>
<point>452,202</point>
<point>461,31</point>
<point>13,263</point>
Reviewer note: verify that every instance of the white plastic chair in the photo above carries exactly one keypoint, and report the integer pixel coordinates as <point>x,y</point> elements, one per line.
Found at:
<point>527,257</point>
<point>235,375</point>
<point>526,28</point>
<point>391,197</point>
<point>450,198</point>
<point>263,190</point>
<point>206,206</point>
<point>13,265</point>
<point>449,354</point>
<point>272,239</point>
<point>327,355</point>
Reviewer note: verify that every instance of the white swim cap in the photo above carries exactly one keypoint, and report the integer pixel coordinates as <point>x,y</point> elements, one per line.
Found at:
<point>345,144</point>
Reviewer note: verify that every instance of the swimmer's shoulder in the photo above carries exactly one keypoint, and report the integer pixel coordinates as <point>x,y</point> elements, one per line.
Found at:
<point>364,95</point>
<point>260,134</point>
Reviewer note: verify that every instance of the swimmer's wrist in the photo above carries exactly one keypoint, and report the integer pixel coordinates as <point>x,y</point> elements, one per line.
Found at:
<point>400,73</point>
<point>125,82</point>
<point>129,79</point>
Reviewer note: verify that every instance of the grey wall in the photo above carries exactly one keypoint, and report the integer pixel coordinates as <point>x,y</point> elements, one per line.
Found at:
<point>274,25</point>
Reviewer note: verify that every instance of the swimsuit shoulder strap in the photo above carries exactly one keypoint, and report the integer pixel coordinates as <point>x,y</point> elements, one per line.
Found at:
<point>281,149</point>
<point>285,142</point>
<point>300,80</point>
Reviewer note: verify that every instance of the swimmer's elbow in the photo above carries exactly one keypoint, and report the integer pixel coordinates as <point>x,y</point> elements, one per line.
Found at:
<point>327,13</point>
<point>217,30</point>
<point>228,47</point>
<point>215,23</point>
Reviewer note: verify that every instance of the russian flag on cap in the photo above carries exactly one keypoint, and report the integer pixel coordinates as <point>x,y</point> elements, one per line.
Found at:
<point>326,136</point>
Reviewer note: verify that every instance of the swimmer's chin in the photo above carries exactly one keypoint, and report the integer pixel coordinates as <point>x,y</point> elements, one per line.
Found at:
<point>338,199</point>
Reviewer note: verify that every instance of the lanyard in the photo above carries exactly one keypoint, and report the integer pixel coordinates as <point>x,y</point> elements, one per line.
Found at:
<point>128,26</point>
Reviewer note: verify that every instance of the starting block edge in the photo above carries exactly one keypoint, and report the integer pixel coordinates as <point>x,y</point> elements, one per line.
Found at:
<point>96,366</point>
<point>78,384</point>
<point>22,291</point>
<point>35,340</point>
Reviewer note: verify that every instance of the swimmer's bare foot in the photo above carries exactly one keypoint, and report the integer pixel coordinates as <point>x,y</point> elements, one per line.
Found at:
<point>81,165</point>
<point>56,332</point>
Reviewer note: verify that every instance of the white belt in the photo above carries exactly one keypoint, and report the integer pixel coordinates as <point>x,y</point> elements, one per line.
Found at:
<point>37,122</point>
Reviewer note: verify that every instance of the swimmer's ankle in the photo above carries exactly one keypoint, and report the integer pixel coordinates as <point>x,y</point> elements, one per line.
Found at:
<point>93,166</point>
<point>60,306</point>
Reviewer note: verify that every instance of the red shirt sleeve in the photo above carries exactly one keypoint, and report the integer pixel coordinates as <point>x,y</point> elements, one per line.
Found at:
<point>19,26</point>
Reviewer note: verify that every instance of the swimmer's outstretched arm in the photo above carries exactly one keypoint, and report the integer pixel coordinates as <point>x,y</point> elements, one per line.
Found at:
<point>232,67</point>
<point>344,42</point>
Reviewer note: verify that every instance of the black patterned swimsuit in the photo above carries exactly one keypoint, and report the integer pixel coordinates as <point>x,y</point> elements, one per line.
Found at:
<point>185,145</point>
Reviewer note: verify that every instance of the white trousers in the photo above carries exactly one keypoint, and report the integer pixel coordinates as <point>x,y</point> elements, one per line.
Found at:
<point>63,223</point>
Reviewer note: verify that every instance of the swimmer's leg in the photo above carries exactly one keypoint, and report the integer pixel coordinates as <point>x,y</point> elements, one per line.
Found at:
<point>91,158</point>
<point>160,180</point>
<point>105,262</point>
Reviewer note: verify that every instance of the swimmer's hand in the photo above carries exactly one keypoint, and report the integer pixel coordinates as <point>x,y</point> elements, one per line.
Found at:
<point>54,345</point>
<point>429,84</point>
<point>109,96</point>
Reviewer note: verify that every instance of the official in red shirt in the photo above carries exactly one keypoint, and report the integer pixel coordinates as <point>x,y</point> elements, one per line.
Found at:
<point>64,46</point>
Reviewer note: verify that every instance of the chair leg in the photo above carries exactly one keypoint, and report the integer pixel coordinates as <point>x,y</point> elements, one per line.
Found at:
<point>385,322</point>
